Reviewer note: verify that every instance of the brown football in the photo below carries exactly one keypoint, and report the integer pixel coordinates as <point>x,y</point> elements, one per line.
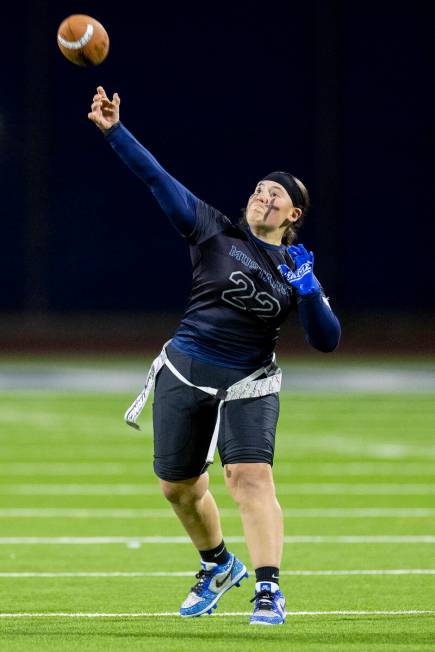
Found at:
<point>83,40</point>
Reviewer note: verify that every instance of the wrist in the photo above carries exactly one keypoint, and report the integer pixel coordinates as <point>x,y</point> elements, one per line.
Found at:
<point>307,286</point>
<point>306,297</point>
<point>110,130</point>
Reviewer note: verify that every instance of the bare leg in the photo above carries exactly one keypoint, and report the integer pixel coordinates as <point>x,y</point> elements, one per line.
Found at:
<point>251,486</point>
<point>196,508</point>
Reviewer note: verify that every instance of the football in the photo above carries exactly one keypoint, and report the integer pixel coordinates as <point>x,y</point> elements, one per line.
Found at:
<point>83,40</point>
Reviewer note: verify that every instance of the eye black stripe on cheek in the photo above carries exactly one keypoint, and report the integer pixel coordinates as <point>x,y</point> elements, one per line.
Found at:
<point>269,210</point>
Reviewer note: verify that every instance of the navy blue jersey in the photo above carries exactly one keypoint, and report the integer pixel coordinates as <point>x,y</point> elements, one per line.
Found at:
<point>239,298</point>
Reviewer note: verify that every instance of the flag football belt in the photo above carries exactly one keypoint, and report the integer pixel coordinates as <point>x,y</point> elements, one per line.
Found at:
<point>248,387</point>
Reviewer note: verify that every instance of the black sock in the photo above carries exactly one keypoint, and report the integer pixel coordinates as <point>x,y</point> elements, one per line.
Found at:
<point>218,555</point>
<point>267,574</point>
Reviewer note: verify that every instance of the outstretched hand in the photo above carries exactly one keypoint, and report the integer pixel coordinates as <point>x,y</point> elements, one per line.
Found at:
<point>104,112</point>
<point>302,278</point>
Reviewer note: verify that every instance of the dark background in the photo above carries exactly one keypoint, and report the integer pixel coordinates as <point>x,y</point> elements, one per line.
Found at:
<point>341,94</point>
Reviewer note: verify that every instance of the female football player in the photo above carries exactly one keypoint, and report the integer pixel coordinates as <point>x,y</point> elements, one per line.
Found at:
<point>216,381</point>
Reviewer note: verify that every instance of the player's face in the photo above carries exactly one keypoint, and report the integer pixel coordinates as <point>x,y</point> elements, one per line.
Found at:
<point>270,208</point>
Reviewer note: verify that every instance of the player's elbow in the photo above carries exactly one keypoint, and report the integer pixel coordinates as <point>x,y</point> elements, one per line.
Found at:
<point>328,342</point>
<point>328,348</point>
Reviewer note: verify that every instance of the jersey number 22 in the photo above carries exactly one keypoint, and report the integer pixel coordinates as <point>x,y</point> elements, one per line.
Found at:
<point>246,297</point>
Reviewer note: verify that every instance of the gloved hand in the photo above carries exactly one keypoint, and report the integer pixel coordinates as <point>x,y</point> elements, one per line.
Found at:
<point>302,279</point>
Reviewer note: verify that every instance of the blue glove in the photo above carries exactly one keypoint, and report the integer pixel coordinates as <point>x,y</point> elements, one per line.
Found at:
<point>302,279</point>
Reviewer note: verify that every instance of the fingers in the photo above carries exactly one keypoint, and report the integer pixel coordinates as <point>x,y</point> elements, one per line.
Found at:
<point>300,254</point>
<point>307,254</point>
<point>104,111</point>
<point>102,97</point>
<point>299,250</point>
<point>96,106</point>
<point>104,105</point>
<point>96,112</point>
<point>293,250</point>
<point>103,108</point>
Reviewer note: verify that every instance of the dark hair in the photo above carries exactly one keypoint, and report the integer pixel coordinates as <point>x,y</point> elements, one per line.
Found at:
<point>290,233</point>
<point>303,202</point>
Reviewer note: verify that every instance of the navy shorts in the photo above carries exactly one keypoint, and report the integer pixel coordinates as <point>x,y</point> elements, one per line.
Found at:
<point>184,418</point>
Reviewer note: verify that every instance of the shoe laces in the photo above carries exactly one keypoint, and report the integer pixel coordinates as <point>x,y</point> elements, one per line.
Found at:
<point>263,600</point>
<point>202,576</point>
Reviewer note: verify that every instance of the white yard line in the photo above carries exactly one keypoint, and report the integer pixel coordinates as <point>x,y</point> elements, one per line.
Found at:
<point>163,614</point>
<point>139,540</point>
<point>283,488</point>
<point>326,512</point>
<point>397,571</point>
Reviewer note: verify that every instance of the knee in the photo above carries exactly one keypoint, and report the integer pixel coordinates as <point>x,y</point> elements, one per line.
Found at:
<point>249,483</point>
<point>183,492</point>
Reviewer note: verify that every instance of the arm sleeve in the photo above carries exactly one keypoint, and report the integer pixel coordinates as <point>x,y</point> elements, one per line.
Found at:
<point>322,328</point>
<point>176,201</point>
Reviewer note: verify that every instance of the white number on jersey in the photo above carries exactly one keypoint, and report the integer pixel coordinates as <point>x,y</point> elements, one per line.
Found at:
<point>246,297</point>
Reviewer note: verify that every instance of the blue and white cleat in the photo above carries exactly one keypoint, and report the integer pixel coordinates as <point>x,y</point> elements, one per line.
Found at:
<point>269,606</point>
<point>213,581</point>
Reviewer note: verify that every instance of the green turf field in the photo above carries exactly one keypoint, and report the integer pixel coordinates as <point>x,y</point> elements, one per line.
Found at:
<point>83,526</point>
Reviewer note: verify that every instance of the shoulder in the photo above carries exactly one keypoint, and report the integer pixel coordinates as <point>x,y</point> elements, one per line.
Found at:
<point>210,222</point>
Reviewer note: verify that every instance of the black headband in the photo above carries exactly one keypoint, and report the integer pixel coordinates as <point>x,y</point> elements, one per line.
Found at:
<point>287,181</point>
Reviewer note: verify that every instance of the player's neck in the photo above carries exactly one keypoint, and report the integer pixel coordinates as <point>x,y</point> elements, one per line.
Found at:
<point>270,237</point>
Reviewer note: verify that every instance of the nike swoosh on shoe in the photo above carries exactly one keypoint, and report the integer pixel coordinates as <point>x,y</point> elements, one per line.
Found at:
<point>220,583</point>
